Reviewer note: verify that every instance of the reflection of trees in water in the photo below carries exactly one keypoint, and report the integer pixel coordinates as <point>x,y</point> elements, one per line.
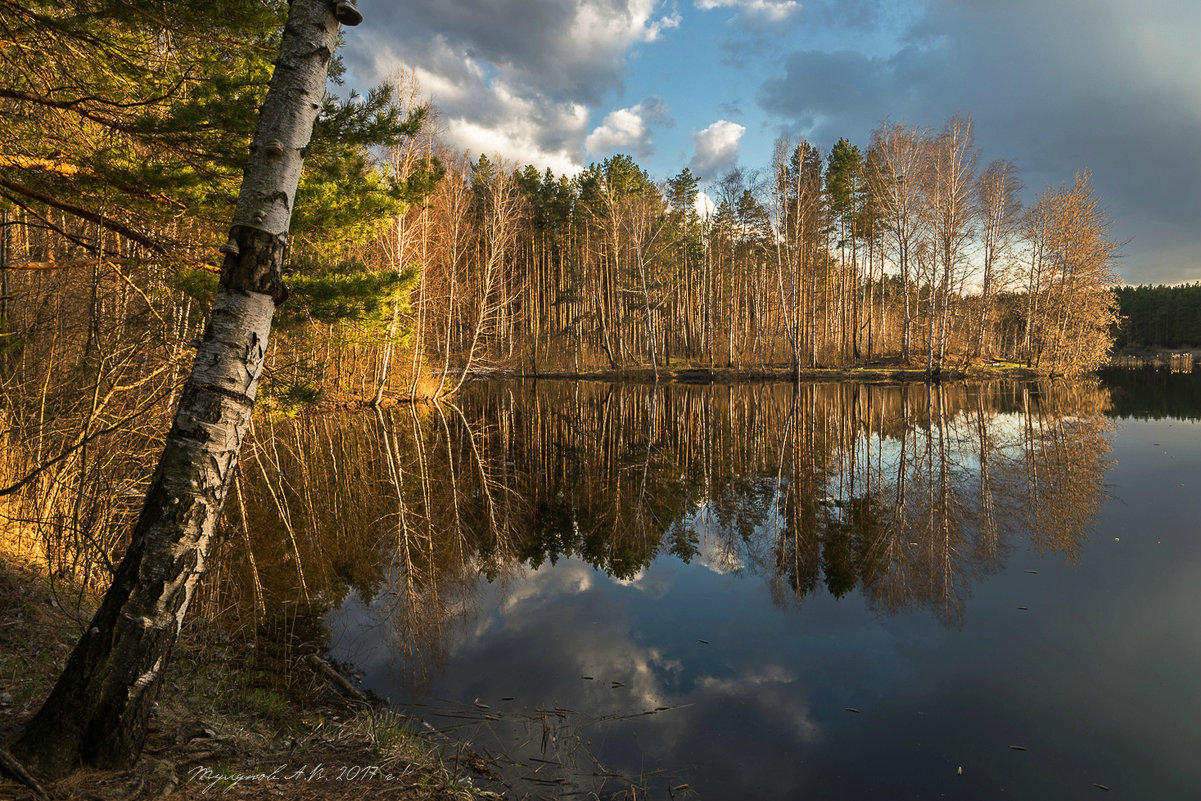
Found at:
<point>374,503</point>
<point>911,492</point>
<point>1154,393</point>
<point>906,493</point>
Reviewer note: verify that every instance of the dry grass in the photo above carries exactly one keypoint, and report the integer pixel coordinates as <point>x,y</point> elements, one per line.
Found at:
<point>222,729</point>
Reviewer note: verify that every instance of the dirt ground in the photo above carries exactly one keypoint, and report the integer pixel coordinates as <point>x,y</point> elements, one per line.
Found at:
<point>221,733</point>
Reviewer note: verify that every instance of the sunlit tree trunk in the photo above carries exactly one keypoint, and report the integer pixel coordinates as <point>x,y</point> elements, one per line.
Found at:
<point>98,711</point>
<point>4,257</point>
<point>499,228</point>
<point>951,212</point>
<point>997,195</point>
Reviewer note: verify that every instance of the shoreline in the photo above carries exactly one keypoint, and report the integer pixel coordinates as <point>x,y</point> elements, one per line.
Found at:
<point>221,733</point>
<point>875,374</point>
<point>867,374</point>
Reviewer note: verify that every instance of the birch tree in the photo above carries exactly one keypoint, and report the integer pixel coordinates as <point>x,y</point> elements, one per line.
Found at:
<point>496,211</point>
<point>999,211</point>
<point>951,210</point>
<point>97,713</point>
<point>900,170</point>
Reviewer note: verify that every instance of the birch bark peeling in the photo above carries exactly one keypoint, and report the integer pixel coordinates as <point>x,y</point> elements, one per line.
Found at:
<point>98,711</point>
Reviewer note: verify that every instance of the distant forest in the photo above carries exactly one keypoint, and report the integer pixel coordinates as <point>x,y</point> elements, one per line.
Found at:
<point>1159,316</point>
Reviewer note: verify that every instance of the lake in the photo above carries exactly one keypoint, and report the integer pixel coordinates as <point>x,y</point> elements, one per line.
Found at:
<point>829,591</point>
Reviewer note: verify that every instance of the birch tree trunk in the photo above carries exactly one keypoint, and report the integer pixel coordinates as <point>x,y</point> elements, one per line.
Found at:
<point>98,711</point>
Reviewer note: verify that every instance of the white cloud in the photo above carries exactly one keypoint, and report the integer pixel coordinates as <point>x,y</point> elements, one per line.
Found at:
<point>483,114</point>
<point>602,30</point>
<point>515,142</point>
<point>566,51</point>
<point>768,10</point>
<point>657,27</point>
<point>517,78</point>
<point>626,130</point>
<point>622,130</point>
<point>716,149</point>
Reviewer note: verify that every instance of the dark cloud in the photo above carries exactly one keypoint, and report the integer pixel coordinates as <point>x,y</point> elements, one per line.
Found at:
<point>564,51</point>
<point>656,112</point>
<point>1056,87</point>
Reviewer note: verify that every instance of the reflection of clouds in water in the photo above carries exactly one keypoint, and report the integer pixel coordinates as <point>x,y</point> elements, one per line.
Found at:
<point>572,620</point>
<point>635,581</point>
<point>716,553</point>
<point>535,586</point>
<point>557,646</point>
<point>357,636</point>
<point>649,674</point>
<point>654,584</point>
<point>735,730</point>
<point>772,690</point>
<point>522,592</point>
<point>594,643</point>
<point>736,715</point>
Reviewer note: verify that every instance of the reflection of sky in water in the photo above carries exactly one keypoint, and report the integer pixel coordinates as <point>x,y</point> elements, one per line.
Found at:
<point>1097,678</point>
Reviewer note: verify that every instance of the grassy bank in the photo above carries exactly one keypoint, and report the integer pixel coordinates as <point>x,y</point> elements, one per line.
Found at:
<point>875,373</point>
<point>226,726</point>
<point>882,372</point>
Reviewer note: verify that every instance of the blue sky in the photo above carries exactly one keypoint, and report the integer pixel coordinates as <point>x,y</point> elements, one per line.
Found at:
<point>1056,86</point>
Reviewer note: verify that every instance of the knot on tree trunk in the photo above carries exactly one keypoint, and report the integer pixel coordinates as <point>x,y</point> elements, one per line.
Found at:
<point>256,265</point>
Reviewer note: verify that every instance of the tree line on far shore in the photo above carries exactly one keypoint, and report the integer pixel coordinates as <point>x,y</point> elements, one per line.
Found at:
<point>905,251</point>
<point>1159,316</point>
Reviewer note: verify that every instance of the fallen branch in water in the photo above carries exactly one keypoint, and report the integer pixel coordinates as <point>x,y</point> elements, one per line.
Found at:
<point>340,682</point>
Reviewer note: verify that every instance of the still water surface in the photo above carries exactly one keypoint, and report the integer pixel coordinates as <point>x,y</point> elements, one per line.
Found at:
<point>829,592</point>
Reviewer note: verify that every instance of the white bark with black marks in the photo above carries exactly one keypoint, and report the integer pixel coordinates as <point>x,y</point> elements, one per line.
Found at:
<point>97,713</point>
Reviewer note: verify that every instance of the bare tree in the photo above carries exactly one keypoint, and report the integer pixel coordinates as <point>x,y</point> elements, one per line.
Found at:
<point>498,208</point>
<point>951,213</point>
<point>785,188</point>
<point>449,236</point>
<point>899,173</point>
<point>999,211</point>
<point>404,159</point>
